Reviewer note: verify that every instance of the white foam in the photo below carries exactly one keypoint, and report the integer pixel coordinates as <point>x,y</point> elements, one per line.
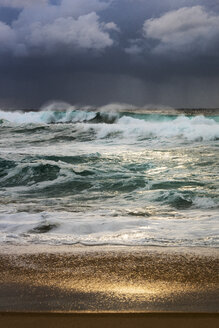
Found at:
<point>197,128</point>
<point>205,203</point>
<point>21,117</point>
<point>102,227</point>
<point>193,129</point>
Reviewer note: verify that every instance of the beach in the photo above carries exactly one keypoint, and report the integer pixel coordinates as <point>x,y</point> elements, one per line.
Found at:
<point>82,286</point>
<point>108,278</point>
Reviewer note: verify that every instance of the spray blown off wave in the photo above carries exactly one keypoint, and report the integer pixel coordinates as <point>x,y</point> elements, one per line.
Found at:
<point>99,177</point>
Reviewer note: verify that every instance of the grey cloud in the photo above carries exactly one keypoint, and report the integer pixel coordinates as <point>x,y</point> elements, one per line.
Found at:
<point>20,3</point>
<point>66,8</point>
<point>44,28</point>
<point>86,32</point>
<point>183,30</point>
<point>133,49</point>
<point>7,38</point>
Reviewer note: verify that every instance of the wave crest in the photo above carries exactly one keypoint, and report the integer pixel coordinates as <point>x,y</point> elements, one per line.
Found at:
<point>122,125</point>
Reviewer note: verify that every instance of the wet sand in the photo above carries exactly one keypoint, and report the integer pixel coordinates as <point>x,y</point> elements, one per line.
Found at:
<point>78,278</point>
<point>106,320</point>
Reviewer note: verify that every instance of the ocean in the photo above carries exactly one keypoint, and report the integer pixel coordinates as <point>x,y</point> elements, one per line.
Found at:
<point>109,178</point>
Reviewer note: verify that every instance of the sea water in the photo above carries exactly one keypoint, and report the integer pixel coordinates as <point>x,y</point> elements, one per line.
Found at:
<point>118,178</point>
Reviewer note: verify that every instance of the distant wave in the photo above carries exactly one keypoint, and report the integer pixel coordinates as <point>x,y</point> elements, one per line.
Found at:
<point>126,125</point>
<point>50,117</point>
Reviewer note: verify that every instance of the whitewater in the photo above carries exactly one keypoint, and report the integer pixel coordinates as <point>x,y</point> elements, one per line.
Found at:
<point>109,177</point>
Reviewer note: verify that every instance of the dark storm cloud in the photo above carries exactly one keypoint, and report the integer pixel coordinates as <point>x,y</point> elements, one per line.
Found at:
<point>99,51</point>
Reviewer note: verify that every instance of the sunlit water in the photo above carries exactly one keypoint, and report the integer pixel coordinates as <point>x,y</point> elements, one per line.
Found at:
<point>108,178</point>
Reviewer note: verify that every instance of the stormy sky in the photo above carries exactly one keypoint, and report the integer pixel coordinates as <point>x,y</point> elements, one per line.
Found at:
<point>94,52</point>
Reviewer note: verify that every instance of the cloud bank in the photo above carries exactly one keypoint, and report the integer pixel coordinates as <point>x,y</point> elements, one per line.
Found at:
<point>109,51</point>
<point>44,28</point>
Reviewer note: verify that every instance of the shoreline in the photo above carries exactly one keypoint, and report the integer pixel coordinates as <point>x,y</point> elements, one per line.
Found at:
<point>108,278</point>
<point>80,248</point>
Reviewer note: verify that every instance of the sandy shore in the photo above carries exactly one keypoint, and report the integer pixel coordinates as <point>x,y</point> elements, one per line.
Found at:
<point>106,320</point>
<point>77,278</point>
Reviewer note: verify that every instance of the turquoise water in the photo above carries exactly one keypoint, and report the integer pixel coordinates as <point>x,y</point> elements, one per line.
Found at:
<point>96,178</point>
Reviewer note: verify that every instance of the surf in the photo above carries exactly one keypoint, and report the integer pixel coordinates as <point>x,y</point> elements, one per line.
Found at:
<point>125,125</point>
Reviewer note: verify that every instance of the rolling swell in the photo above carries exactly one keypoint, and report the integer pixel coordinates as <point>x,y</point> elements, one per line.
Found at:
<point>97,176</point>
<point>56,179</point>
<point>26,174</point>
<point>5,167</point>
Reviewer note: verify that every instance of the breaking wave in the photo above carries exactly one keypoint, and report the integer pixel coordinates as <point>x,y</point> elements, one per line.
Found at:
<point>121,125</point>
<point>55,117</point>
